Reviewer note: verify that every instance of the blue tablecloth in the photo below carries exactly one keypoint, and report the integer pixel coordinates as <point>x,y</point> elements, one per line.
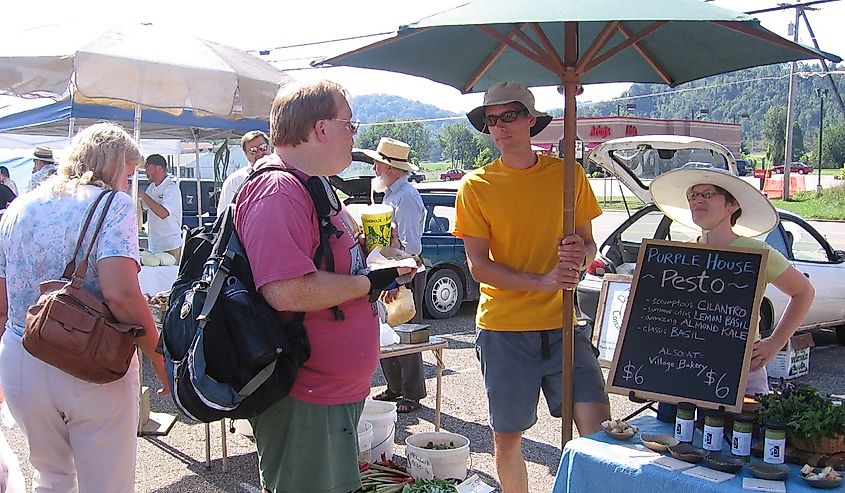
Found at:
<point>599,463</point>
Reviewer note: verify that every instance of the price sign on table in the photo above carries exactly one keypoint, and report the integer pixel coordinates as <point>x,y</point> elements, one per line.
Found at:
<point>690,324</point>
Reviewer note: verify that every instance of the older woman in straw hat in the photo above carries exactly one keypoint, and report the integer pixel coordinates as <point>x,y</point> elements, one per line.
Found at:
<point>82,435</point>
<point>730,212</point>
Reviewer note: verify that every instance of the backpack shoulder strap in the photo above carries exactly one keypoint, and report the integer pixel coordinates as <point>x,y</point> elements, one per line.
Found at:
<point>319,189</point>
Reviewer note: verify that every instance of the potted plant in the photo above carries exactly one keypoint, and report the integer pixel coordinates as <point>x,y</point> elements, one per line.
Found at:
<point>814,423</point>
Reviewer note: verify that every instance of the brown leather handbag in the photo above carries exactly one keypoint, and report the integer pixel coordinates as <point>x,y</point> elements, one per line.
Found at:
<point>72,329</point>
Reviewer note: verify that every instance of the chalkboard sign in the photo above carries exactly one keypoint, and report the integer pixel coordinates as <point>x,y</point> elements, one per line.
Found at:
<point>690,324</point>
<point>610,313</point>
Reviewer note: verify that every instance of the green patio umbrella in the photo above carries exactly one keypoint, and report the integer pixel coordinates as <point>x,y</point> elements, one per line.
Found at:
<point>572,42</point>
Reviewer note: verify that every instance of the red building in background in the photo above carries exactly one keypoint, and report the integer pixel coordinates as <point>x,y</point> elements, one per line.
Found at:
<point>595,130</point>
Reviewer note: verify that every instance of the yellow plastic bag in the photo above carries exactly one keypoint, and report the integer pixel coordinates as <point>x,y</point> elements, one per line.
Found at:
<point>402,308</point>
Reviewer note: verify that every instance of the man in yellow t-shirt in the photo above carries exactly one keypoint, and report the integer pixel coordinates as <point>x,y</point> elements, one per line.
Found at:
<point>510,216</point>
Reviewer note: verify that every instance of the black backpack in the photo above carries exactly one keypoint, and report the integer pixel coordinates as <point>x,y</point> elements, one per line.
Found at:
<point>227,352</point>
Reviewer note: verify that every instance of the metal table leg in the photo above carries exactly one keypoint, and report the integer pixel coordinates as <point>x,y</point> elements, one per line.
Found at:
<point>207,446</point>
<point>223,444</point>
<point>438,355</point>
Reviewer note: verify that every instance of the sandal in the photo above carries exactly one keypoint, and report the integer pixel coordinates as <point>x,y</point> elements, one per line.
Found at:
<point>407,405</point>
<point>387,395</point>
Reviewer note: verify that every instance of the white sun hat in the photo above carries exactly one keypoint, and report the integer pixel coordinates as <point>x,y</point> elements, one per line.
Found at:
<point>669,193</point>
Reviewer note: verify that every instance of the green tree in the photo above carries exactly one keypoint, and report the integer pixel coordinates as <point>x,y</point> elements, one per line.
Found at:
<point>774,133</point>
<point>458,144</point>
<point>833,145</point>
<point>487,151</point>
<point>415,134</point>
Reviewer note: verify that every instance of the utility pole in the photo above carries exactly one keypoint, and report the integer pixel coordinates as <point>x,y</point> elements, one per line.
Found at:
<point>790,110</point>
<point>829,78</point>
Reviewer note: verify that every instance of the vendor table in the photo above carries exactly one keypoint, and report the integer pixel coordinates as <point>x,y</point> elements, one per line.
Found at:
<point>434,344</point>
<point>600,463</point>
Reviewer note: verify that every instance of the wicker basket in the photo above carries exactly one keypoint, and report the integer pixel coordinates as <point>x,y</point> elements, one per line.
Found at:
<point>824,446</point>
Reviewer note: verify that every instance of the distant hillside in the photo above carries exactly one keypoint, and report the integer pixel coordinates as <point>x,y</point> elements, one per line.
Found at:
<point>752,91</point>
<point>373,108</point>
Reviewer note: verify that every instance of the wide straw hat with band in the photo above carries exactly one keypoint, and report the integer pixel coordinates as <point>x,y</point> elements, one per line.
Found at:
<point>504,93</point>
<point>43,153</point>
<point>669,193</point>
<point>393,153</point>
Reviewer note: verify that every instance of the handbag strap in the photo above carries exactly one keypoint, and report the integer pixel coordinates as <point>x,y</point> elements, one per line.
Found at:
<point>81,269</point>
<point>71,265</point>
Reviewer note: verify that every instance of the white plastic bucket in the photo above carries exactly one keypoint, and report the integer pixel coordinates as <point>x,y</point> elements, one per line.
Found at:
<point>383,417</point>
<point>243,427</point>
<point>365,440</point>
<point>445,464</point>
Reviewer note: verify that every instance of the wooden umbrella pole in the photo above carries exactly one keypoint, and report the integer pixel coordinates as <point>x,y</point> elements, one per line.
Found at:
<point>570,85</point>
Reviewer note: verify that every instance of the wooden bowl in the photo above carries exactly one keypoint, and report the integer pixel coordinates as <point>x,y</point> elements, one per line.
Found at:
<point>658,443</point>
<point>771,472</point>
<point>824,484</point>
<point>626,435</point>
<point>724,463</point>
<point>688,453</point>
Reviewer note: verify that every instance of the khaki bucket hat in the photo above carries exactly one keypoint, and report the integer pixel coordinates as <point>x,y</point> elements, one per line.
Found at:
<point>504,93</point>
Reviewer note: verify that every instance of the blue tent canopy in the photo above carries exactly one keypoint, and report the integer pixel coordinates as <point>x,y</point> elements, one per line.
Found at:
<point>53,119</point>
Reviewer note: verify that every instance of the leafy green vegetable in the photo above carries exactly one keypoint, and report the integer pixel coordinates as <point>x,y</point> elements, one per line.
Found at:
<point>806,413</point>
<point>439,446</point>
<point>431,486</point>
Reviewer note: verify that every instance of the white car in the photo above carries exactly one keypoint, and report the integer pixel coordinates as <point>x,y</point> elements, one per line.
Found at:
<point>807,250</point>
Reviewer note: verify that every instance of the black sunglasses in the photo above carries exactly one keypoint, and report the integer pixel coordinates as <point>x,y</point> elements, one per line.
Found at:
<point>261,147</point>
<point>506,117</point>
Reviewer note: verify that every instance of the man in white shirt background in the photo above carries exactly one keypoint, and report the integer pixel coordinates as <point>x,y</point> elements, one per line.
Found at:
<point>405,375</point>
<point>255,145</point>
<point>163,202</point>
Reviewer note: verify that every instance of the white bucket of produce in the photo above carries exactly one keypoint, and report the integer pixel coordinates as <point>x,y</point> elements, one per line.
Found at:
<point>383,417</point>
<point>446,452</point>
<point>243,427</point>
<point>365,440</point>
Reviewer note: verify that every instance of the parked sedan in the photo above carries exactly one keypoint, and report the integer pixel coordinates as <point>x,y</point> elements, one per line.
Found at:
<point>453,174</point>
<point>805,248</point>
<point>800,168</point>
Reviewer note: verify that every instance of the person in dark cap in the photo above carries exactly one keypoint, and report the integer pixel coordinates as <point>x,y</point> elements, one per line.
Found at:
<point>163,201</point>
<point>510,216</point>
<point>5,179</point>
<point>44,166</point>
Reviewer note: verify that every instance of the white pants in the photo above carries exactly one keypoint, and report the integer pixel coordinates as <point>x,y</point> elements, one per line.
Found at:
<point>82,436</point>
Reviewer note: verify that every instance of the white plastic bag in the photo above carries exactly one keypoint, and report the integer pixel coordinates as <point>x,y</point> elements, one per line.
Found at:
<point>387,335</point>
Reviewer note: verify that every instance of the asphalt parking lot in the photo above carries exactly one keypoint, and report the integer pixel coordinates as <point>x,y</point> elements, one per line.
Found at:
<point>175,463</point>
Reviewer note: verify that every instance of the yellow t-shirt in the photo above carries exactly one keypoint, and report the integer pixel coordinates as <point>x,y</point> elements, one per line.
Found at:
<point>520,213</point>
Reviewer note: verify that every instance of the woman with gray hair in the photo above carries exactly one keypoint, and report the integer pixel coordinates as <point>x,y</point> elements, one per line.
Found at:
<point>82,435</point>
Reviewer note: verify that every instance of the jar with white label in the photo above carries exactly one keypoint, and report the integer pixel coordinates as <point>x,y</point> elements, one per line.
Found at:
<point>743,427</point>
<point>714,429</point>
<point>685,422</point>
<point>774,446</point>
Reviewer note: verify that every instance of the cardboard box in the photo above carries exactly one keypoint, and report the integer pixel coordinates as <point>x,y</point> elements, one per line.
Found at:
<point>794,360</point>
<point>412,333</point>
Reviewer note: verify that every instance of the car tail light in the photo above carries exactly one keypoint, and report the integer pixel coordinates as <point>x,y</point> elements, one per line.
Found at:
<point>597,268</point>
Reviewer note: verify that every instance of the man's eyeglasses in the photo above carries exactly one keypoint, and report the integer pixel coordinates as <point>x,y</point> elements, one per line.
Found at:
<point>259,148</point>
<point>506,117</point>
<point>691,196</point>
<point>352,125</point>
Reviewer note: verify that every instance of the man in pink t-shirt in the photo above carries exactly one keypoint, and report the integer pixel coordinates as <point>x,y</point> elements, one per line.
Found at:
<point>308,440</point>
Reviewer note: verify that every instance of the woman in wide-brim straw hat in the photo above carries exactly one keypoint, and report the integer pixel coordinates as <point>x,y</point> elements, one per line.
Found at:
<point>729,212</point>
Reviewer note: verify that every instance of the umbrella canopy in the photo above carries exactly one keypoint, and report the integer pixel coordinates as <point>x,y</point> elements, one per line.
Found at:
<point>478,44</point>
<point>53,120</point>
<point>137,65</point>
<point>569,43</point>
